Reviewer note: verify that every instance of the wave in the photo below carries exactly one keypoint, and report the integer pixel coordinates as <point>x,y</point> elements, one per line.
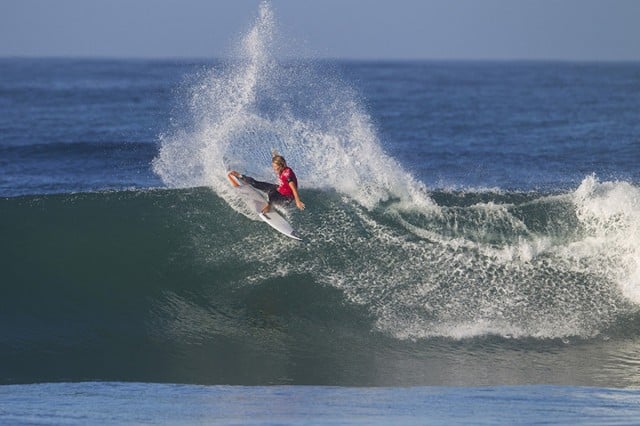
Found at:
<point>180,279</point>
<point>518,267</point>
<point>519,264</point>
<point>175,274</point>
<point>420,264</point>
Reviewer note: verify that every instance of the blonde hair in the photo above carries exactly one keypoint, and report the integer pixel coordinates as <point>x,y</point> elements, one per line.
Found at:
<point>279,160</point>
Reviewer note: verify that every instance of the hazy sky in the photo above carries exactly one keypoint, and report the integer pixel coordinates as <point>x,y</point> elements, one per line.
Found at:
<point>360,29</point>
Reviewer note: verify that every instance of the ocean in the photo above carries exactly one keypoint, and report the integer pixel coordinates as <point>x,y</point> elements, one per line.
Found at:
<point>470,253</point>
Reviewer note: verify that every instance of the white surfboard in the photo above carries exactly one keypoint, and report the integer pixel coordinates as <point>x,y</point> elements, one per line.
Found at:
<point>256,200</point>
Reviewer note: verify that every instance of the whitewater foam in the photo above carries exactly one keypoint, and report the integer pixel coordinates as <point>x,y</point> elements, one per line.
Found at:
<point>610,215</point>
<point>517,269</point>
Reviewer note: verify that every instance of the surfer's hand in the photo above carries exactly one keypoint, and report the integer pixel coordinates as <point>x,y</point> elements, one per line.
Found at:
<point>300,204</point>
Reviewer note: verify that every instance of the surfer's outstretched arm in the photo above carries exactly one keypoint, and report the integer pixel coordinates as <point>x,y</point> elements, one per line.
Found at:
<point>296,196</point>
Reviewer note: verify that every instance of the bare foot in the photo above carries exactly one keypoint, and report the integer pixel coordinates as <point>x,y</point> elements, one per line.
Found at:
<point>266,209</point>
<point>236,175</point>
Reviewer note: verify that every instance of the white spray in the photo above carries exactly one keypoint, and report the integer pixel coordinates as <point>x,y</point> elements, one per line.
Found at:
<point>257,103</point>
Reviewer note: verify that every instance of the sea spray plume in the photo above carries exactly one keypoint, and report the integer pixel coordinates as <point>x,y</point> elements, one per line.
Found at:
<point>255,103</point>
<point>220,115</point>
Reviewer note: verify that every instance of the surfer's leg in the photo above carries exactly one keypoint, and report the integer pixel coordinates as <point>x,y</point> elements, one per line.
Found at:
<point>262,186</point>
<point>275,198</point>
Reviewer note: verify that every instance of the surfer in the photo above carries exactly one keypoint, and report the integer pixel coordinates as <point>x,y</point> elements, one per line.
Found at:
<point>284,192</point>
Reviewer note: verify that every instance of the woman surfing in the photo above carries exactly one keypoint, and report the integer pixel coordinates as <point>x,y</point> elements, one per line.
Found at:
<point>285,191</point>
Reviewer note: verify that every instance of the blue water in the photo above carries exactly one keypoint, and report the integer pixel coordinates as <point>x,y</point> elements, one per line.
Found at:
<point>518,126</point>
<point>471,246</point>
<point>139,403</point>
<point>510,125</point>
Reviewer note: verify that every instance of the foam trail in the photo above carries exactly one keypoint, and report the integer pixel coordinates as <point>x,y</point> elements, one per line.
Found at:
<point>258,103</point>
<point>547,267</point>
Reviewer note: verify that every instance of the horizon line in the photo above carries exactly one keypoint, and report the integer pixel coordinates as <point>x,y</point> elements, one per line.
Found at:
<point>316,58</point>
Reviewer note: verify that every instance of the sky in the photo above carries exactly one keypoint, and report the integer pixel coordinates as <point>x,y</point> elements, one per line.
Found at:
<point>571,30</point>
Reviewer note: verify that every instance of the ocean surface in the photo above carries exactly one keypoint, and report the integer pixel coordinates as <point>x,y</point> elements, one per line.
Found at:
<point>471,242</point>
